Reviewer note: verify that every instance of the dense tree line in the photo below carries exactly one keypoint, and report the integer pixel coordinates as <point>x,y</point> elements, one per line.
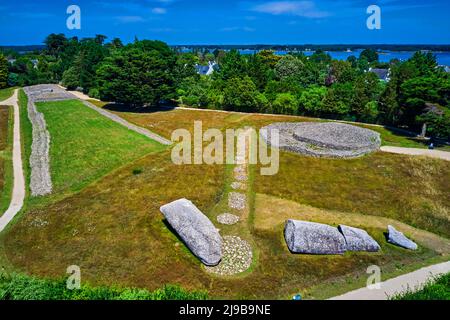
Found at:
<point>145,73</point>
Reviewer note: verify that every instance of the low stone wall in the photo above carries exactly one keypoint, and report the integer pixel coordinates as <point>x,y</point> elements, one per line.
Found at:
<point>40,180</point>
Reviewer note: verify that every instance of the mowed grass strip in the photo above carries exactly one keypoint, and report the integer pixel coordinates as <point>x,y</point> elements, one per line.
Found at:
<point>404,188</point>
<point>85,145</point>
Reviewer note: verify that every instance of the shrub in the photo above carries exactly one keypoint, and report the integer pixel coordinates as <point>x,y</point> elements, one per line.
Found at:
<point>23,287</point>
<point>437,289</point>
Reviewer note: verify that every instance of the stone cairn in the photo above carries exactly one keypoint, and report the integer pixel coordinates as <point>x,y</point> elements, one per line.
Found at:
<point>324,140</point>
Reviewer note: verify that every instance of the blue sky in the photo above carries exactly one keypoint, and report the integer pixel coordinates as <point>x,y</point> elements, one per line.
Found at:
<point>230,21</point>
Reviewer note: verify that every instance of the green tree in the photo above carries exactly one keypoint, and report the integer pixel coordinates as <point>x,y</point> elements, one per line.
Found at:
<point>288,67</point>
<point>138,74</point>
<point>370,55</point>
<point>285,103</point>
<point>240,94</point>
<point>4,73</point>
<point>233,65</point>
<point>311,100</point>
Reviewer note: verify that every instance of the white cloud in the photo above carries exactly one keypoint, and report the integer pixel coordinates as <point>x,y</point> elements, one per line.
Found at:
<point>159,10</point>
<point>306,9</point>
<point>231,29</point>
<point>130,19</point>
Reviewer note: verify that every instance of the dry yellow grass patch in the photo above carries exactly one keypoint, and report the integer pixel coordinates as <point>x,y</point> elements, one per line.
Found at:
<point>271,212</point>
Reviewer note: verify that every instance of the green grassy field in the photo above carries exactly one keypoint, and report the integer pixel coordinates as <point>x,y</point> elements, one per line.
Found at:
<point>6,93</point>
<point>437,289</point>
<point>112,228</point>
<point>85,145</point>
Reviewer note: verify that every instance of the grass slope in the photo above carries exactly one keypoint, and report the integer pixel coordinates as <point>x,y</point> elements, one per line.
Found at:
<point>404,188</point>
<point>85,145</point>
<point>438,289</point>
<point>6,93</point>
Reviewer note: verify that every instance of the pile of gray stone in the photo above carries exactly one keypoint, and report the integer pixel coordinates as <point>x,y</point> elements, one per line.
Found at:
<point>316,238</point>
<point>237,201</point>
<point>195,229</point>
<point>237,257</point>
<point>48,92</point>
<point>323,139</point>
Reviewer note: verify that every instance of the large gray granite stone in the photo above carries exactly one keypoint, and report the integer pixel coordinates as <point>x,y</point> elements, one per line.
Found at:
<point>313,238</point>
<point>398,238</point>
<point>358,239</point>
<point>196,230</point>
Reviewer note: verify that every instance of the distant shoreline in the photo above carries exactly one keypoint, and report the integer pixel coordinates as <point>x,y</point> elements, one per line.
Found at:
<point>441,48</point>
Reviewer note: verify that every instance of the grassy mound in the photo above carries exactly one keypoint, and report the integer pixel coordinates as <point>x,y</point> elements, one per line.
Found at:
<point>407,189</point>
<point>85,145</point>
<point>113,229</point>
<point>438,289</point>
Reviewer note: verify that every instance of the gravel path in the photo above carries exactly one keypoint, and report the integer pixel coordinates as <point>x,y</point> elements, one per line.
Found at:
<point>237,200</point>
<point>18,192</point>
<point>444,155</point>
<point>228,219</point>
<point>129,125</point>
<point>237,257</point>
<point>397,285</point>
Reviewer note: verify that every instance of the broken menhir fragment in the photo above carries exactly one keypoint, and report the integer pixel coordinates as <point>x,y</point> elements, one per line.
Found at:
<point>313,238</point>
<point>358,239</point>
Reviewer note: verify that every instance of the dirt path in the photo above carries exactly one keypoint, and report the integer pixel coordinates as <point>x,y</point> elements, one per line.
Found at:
<point>418,152</point>
<point>18,194</point>
<point>397,285</point>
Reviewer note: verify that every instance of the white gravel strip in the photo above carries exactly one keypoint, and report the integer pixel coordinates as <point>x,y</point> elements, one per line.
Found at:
<point>40,177</point>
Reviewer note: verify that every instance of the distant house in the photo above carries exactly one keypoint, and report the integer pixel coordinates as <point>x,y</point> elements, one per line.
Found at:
<point>35,63</point>
<point>207,70</point>
<point>11,60</point>
<point>383,74</point>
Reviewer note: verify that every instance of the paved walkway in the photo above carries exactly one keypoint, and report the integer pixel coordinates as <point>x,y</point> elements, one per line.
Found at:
<point>397,285</point>
<point>418,152</point>
<point>18,194</point>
